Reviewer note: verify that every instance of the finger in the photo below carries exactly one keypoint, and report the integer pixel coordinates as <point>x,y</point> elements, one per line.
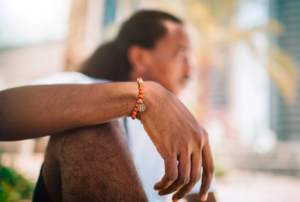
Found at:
<point>171,173</point>
<point>195,176</point>
<point>184,168</point>
<point>208,171</point>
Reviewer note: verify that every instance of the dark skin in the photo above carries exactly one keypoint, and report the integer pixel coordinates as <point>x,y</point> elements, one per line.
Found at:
<point>167,63</point>
<point>54,109</point>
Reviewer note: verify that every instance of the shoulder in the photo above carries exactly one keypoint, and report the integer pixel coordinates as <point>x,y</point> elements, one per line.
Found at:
<point>67,78</point>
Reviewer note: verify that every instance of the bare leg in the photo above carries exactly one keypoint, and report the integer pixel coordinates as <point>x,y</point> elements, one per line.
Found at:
<point>91,164</point>
<point>195,197</point>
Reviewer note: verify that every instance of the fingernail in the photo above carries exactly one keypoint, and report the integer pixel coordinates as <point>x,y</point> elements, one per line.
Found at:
<point>156,186</point>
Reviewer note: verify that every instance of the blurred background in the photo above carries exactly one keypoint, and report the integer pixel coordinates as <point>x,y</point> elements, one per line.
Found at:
<point>244,88</point>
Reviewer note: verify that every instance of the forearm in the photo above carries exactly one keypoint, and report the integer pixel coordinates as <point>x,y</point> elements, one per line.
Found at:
<point>35,111</point>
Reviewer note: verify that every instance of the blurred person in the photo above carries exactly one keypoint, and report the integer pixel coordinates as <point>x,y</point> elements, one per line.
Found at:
<point>158,53</point>
<point>86,161</point>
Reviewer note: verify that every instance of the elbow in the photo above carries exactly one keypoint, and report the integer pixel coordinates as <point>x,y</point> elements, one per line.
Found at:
<point>2,125</point>
<point>3,129</point>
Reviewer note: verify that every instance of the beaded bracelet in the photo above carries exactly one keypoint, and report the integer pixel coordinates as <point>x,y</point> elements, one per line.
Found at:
<point>140,106</point>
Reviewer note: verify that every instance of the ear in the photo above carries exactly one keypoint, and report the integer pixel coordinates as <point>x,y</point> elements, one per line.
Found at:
<point>136,57</point>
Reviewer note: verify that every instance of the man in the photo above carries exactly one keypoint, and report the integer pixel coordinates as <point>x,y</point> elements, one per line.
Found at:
<point>87,158</point>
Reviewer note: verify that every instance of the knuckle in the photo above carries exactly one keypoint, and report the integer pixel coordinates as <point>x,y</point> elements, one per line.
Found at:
<point>167,154</point>
<point>199,136</point>
<point>205,186</point>
<point>186,147</point>
<point>199,145</point>
<point>204,135</point>
<point>184,180</point>
<point>199,142</point>
<point>211,170</point>
<point>195,179</point>
<point>185,141</point>
<point>172,177</point>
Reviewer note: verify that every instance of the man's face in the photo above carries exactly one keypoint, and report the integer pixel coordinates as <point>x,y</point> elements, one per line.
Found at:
<point>167,63</point>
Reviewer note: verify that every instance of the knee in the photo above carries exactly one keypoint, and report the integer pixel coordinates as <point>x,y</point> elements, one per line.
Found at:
<point>96,158</point>
<point>91,138</point>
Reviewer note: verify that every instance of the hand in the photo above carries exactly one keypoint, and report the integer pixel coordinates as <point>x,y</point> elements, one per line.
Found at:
<point>177,137</point>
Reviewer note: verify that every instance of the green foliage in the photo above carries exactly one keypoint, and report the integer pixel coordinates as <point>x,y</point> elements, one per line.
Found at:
<point>13,186</point>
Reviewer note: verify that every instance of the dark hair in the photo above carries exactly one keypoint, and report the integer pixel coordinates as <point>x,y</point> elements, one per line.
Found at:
<point>110,61</point>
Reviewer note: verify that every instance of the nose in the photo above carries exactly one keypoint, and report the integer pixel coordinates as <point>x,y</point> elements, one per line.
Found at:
<point>187,68</point>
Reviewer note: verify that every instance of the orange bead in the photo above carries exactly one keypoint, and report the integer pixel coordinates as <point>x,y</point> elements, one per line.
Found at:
<point>134,113</point>
<point>142,85</point>
<point>142,88</point>
<point>141,96</point>
<point>136,105</point>
<point>139,80</point>
<point>136,109</point>
<point>141,92</point>
<point>139,102</point>
<point>133,116</point>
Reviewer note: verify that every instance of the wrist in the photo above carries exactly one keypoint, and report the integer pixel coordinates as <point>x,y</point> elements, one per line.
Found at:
<point>151,91</point>
<point>131,98</point>
<point>126,97</point>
